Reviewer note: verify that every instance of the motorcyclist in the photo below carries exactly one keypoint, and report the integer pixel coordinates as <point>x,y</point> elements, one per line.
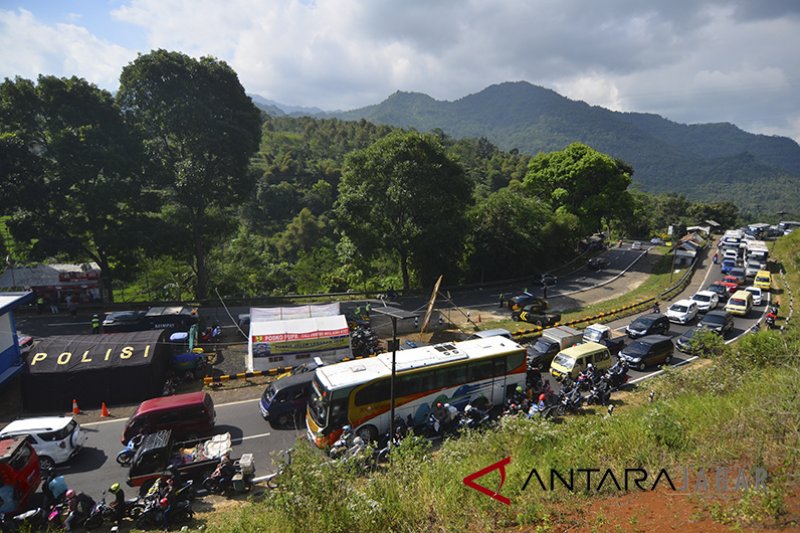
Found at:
<point>71,503</point>
<point>439,412</point>
<point>519,396</point>
<point>539,406</point>
<point>656,307</point>
<point>225,470</point>
<point>118,504</point>
<point>452,414</point>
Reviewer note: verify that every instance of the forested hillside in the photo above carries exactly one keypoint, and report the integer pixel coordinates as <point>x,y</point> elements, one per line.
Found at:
<point>170,200</point>
<point>706,161</point>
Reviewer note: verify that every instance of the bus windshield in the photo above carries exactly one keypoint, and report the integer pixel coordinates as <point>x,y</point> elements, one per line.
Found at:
<point>318,404</point>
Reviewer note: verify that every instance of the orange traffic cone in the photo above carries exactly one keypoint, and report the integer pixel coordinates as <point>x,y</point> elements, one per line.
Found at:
<point>75,409</point>
<point>104,410</point>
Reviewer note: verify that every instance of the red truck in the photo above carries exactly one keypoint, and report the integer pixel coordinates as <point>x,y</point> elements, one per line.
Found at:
<point>20,474</point>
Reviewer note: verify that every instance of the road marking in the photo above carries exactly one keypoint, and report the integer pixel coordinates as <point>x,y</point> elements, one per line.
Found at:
<point>242,439</point>
<point>101,422</point>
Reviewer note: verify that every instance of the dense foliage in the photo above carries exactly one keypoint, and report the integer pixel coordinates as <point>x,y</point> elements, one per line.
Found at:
<point>177,186</point>
<point>759,173</point>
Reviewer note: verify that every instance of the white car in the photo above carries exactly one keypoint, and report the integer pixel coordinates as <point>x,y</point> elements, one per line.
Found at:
<point>636,245</point>
<point>705,300</point>
<point>682,311</point>
<point>56,439</point>
<point>757,294</point>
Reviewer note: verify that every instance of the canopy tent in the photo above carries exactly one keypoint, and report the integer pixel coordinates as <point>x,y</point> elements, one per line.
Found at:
<point>275,342</point>
<point>114,368</point>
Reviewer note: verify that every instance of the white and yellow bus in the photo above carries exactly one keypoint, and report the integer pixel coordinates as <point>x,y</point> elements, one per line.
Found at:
<point>356,393</point>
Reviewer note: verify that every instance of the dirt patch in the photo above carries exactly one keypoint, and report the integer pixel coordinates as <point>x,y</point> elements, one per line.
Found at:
<point>666,511</point>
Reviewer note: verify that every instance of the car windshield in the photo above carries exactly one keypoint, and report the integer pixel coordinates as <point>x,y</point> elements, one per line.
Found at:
<point>319,404</point>
<point>641,323</point>
<point>59,434</point>
<point>688,334</point>
<point>737,301</point>
<point>564,361</point>
<point>701,298</point>
<point>679,308</point>
<point>714,319</point>
<point>543,345</point>
<point>592,334</point>
<point>637,348</point>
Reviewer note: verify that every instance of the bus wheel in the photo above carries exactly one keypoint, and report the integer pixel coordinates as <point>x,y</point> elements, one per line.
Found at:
<point>368,434</point>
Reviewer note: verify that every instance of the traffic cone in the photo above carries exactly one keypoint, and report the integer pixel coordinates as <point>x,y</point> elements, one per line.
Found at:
<point>104,410</point>
<point>75,409</point>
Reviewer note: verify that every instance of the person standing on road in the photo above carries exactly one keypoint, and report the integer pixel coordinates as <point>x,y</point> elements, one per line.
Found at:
<point>502,297</point>
<point>95,324</point>
<point>40,304</point>
<point>544,291</point>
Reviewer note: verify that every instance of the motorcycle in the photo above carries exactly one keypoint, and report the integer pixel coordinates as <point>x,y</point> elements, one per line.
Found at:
<point>473,418</point>
<point>599,395</point>
<point>125,456</point>
<point>31,520</point>
<point>588,379</point>
<point>571,401</point>
<point>236,476</point>
<point>156,514</point>
<point>616,376</point>
<point>341,445</point>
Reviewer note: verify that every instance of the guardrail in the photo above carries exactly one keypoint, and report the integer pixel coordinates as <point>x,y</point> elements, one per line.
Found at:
<point>621,312</point>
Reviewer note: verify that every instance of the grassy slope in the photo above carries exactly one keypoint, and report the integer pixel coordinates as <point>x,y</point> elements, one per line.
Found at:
<point>743,409</point>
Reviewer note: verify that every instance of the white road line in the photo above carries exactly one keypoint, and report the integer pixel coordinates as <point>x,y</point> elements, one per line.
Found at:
<point>240,440</point>
<point>101,422</point>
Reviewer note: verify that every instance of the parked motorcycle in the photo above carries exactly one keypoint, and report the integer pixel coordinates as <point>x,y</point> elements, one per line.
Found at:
<point>236,476</point>
<point>599,395</point>
<point>31,520</point>
<point>474,418</point>
<point>161,514</point>
<point>616,376</point>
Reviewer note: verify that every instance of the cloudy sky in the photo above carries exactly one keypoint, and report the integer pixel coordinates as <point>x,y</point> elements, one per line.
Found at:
<point>690,61</point>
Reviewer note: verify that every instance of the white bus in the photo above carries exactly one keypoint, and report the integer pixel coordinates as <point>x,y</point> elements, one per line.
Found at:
<point>757,250</point>
<point>356,393</point>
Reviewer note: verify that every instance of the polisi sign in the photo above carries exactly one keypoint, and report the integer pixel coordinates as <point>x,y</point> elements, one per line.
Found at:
<point>65,358</point>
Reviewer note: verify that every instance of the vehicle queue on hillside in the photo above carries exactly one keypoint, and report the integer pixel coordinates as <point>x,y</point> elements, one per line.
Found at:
<point>438,385</point>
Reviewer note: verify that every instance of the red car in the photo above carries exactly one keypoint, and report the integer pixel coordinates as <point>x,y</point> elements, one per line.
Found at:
<point>731,282</point>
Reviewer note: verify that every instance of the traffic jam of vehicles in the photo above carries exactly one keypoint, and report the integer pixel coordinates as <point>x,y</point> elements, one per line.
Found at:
<point>175,447</point>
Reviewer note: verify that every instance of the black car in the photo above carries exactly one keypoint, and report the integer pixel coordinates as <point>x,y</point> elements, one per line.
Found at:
<point>649,324</point>
<point>516,303</point>
<point>648,351</point>
<point>545,280</point>
<point>598,263</point>
<point>740,274</point>
<point>720,290</point>
<point>718,321</point>
<point>123,321</point>
<point>684,342</point>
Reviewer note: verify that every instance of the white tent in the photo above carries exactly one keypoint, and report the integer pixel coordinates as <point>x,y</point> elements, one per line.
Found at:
<point>288,336</point>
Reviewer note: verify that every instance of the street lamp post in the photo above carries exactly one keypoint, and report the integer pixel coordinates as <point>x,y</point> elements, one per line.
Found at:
<point>394,314</point>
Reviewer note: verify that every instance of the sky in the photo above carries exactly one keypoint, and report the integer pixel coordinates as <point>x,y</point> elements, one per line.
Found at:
<point>690,61</point>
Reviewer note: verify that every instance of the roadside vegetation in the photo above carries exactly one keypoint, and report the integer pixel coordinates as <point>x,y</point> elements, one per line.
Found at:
<point>739,410</point>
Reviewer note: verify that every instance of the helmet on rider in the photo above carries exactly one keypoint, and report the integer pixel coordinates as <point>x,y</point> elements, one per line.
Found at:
<point>114,488</point>
<point>439,405</point>
<point>542,397</point>
<point>347,429</point>
<point>590,366</point>
<point>164,502</point>
<point>447,406</point>
<point>69,494</point>
<point>468,408</point>
<point>520,390</point>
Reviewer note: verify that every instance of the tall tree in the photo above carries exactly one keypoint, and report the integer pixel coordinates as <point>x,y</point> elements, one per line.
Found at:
<point>404,195</point>
<point>71,172</point>
<point>582,181</point>
<point>201,129</point>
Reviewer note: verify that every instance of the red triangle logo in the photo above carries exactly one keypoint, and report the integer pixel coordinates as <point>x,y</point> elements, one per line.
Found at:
<point>499,465</point>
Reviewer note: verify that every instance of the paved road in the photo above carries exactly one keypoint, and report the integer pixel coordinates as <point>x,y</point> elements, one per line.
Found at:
<point>95,468</point>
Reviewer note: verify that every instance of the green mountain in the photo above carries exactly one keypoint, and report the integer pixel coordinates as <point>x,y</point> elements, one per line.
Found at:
<point>714,161</point>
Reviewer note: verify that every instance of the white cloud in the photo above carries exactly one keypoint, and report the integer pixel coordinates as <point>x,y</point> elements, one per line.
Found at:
<point>707,61</point>
<point>29,48</point>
